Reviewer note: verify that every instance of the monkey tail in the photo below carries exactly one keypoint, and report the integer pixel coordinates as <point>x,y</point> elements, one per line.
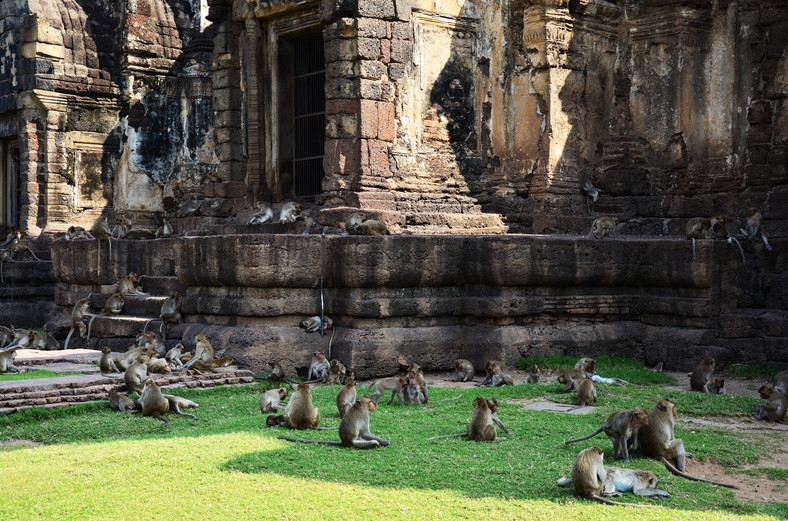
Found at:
<point>68,337</point>
<point>330,340</point>
<point>564,481</point>
<point>299,440</point>
<point>448,436</point>
<point>90,324</point>
<point>36,258</point>
<point>693,249</point>
<point>610,502</point>
<point>677,472</point>
<point>731,240</point>
<point>179,411</point>
<point>567,442</point>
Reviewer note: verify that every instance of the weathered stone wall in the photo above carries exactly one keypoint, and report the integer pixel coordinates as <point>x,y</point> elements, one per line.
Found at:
<point>434,299</point>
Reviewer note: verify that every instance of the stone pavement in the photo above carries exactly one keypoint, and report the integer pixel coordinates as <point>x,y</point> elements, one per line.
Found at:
<point>90,384</point>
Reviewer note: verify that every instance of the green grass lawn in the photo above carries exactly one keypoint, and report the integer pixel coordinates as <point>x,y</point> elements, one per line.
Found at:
<point>97,464</point>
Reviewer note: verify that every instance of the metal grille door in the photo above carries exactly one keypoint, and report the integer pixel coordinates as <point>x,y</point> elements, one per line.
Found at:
<point>309,115</point>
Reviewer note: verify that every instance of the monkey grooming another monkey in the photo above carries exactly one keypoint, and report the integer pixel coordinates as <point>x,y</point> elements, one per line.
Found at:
<point>299,412</point>
<point>42,341</point>
<point>290,212</point>
<point>128,285</point>
<point>482,427</point>
<point>535,375</point>
<point>121,403</point>
<point>353,429</point>
<point>372,227</point>
<point>590,478</point>
<point>463,371</point>
<point>775,407</point>
<point>272,399</point>
<point>603,227</point>
<point>153,403</point>
<point>417,391</point>
<point>701,377</point>
<point>570,378</point>
<point>353,221</point>
<point>346,397</point>
<point>639,482</point>
<point>492,403</point>
<point>336,373</point>
<point>136,374</point>
<point>620,427</point>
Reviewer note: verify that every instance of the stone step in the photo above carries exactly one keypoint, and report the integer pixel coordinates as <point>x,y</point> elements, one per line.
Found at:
<point>66,390</point>
<point>161,285</point>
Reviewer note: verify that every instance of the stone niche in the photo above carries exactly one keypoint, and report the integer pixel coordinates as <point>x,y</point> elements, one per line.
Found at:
<point>435,299</point>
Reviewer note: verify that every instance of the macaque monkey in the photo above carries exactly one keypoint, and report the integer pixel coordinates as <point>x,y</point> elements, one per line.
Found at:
<point>43,341</point>
<point>570,378</point>
<point>781,383</point>
<point>463,370</point>
<point>165,230</point>
<point>106,363</point>
<point>353,429</point>
<point>135,375</point>
<point>154,344</point>
<point>171,310</point>
<point>621,428</point>
<point>639,482</point>
<point>318,369</point>
<point>482,427</point>
<point>656,438</point>
<point>20,337</point>
<point>189,207</point>
<point>78,314</point>
<point>717,386</point>
<point>153,403</point>
<point>346,397</point>
<point>264,214</point>
<point>6,335</point>
<point>353,221</point>
<point>590,478</point>
<point>499,378</point>
<point>299,412</point>
<point>535,375</point>
<point>101,232</point>
<point>139,234</point>
<point>775,406</point>
<point>592,193</point>
<point>753,227</point>
<point>604,227</point>
<point>372,227</point>
<point>178,403</point>
<point>121,403</point>
<point>712,228</point>
<point>587,364</point>
<point>77,232</point>
<point>312,324</point>
<point>112,306</point>
<point>272,399</point>
<point>275,421</point>
<point>417,391</point>
<point>159,366</point>
<point>203,355</point>
<point>395,384</point>
<point>290,212</point>
<point>7,357</point>
<point>701,377</point>
<point>586,392</point>
<point>489,366</point>
<point>336,373</point>
<point>122,226</point>
<point>173,356</point>
<point>492,403</point>
<point>124,360</point>
<point>128,285</point>
<point>17,246</point>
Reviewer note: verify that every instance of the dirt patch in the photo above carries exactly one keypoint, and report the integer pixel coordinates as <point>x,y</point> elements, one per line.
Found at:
<point>753,488</point>
<point>17,444</point>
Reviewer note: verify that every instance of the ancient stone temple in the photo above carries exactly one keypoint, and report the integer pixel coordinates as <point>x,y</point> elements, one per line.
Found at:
<point>467,119</point>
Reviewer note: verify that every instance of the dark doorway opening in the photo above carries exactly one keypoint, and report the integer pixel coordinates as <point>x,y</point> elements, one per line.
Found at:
<point>10,189</point>
<point>309,115</point>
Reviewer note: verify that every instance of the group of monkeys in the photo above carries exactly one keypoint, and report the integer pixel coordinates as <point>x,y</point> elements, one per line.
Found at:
<point>13,338</point>
<point>649,431</point>
<point>148,356</point>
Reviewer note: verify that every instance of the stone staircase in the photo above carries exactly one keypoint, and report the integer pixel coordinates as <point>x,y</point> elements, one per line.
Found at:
<point>90,385</point>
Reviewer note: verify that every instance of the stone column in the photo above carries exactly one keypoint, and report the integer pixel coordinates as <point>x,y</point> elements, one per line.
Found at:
<point>363,41</point>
